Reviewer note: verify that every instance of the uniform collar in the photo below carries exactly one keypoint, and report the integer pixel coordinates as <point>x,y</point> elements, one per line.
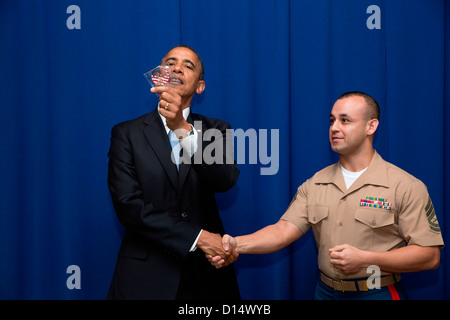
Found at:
<point>375,174</point>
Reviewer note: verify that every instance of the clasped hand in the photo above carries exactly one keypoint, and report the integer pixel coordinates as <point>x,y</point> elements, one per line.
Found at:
<point>219,251</point>
<point>346,258</point>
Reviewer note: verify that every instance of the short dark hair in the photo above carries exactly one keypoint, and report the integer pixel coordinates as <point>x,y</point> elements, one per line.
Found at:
<point>202,67</point>
<point>373,110</point>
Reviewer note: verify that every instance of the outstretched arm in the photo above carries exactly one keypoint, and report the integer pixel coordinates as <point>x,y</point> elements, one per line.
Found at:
<point>266,240</point>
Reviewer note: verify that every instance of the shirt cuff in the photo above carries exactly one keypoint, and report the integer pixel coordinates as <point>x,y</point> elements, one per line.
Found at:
<point>194,245</point>
<point>189,143</point>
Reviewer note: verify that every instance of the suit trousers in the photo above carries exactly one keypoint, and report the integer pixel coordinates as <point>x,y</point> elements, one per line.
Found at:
<point>193,286</point>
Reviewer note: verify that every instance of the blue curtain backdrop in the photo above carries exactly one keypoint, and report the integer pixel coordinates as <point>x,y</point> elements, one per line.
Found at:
<point>270,64</point>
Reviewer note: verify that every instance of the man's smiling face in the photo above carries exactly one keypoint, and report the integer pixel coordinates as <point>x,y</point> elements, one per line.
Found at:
<point>349,125</point>
<point>185,70</point>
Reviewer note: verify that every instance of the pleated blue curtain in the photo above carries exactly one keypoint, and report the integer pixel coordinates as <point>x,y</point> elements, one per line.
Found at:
<point>269,65</point>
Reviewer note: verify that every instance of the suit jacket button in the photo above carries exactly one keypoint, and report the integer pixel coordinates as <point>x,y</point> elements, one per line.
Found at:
<point>184,215</point>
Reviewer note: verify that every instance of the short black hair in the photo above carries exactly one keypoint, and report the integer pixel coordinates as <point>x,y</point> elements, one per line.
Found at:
<point>373,111</point>
<point>202,67</point>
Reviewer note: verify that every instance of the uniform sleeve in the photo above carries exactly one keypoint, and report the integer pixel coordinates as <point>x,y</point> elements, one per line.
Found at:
<point>297,212</point>
<point>417,219</point>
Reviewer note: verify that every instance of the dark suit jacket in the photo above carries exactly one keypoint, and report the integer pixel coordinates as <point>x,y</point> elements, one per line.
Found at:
<point>163,211</point>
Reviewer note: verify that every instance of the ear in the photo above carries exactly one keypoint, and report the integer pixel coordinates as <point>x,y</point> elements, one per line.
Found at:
<point>200,87</point>
<point>371,127</point>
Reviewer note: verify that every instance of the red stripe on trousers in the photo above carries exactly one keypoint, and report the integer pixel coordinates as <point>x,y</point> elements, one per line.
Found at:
<point>393,292</point>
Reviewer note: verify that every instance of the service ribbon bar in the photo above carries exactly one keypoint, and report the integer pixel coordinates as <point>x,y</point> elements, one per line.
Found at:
<point>373,202</point>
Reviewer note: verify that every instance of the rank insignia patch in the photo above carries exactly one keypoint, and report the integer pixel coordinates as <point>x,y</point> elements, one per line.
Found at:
<point>372,202</point>
<point>431,216</point>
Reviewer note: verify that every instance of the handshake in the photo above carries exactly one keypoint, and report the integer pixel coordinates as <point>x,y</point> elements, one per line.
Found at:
<point>220,251</point>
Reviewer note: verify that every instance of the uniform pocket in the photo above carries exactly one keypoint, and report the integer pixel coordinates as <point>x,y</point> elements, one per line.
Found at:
<point>375,218</point>
<point>317,213</point>
<point>375,229</point>
<point>317,217</point>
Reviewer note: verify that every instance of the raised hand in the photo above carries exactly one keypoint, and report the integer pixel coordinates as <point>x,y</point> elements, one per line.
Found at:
<point>170,106</point>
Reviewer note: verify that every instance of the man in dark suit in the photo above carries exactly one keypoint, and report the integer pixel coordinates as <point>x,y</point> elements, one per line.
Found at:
<point>169,209</point>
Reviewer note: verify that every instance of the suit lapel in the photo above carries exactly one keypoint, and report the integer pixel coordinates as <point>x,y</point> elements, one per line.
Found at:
<point>156,136</point>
